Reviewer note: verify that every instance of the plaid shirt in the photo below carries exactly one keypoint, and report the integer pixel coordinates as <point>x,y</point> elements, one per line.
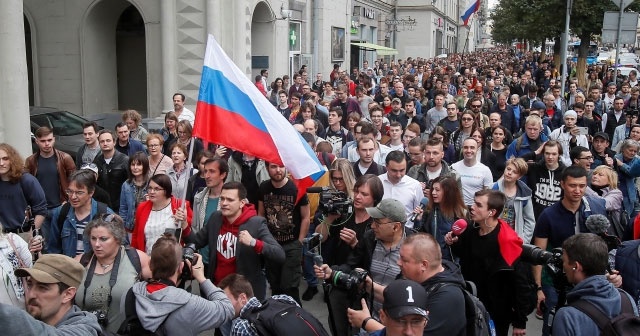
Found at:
<point>242,327</point>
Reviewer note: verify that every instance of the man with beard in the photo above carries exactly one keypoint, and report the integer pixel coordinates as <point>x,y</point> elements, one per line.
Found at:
<point>288,220</point>
<point>52,281</point>
<point>182,112</point>
<point>433,166</point>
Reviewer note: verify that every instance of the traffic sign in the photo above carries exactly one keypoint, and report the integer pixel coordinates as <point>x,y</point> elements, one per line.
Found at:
<point>624,3</point>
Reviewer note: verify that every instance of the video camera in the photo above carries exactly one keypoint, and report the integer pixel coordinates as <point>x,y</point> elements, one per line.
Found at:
<point>332,201</point>
<point>537,256</point>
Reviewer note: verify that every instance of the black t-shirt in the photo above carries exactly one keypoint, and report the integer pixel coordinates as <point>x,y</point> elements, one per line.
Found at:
<point>341,250</point>
<point>48,177</point>
<point>281,210</point>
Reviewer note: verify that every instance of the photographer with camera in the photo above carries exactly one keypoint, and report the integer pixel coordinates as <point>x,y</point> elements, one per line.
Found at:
<point>584,260</point>
<point>377,254</point>
<point>341,234</point>
<point>163,308</point>
<point>558,222</point>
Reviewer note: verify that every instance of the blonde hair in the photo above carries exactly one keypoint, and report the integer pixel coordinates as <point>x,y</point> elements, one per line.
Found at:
<point>610,173</point>
<point>533,120</point>
<point>520,164</point>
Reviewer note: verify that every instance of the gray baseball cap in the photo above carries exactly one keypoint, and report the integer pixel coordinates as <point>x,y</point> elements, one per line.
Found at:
<point>389,208</point>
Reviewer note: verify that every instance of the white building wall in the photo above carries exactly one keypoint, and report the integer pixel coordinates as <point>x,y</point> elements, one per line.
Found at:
<point>75,52</point>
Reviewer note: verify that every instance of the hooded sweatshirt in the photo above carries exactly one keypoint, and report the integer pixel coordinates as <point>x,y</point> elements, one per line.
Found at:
<point>227,240</point>
<point>16,321</point>
<point>596,290</point>
<point>446,306</point>
<point>545,185</point>
<point>168,310</point>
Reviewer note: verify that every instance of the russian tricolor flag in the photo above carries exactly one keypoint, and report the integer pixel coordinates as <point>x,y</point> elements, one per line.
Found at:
<point>232,112</point>
<point>475,6</point>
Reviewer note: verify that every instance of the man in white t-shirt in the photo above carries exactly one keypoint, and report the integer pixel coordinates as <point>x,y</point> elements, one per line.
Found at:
<point>399,186</point>
<point>474,175</point>
<point>182,112</point>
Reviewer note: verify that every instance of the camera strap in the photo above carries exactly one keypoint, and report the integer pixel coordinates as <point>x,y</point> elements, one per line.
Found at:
<point>112,279</point>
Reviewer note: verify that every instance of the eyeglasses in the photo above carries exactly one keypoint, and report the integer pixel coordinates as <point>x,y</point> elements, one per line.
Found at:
<point>153,145</point>
<point>588,158</point>
<point>412,323</point>
<point>467,119</point>
<point>153,189</point>
<point>476,106</point>
<point>79,193</point>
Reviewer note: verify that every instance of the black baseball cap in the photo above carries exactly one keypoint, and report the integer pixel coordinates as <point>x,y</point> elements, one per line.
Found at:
<point>601,135</point>
<point>404,297</point>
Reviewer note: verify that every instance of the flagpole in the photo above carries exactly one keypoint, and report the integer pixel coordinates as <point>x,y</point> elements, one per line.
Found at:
<point>188,167</point>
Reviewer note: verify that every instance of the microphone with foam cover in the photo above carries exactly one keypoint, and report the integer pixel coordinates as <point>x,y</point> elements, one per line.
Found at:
<point>598,224</point>
<point>458,227</point>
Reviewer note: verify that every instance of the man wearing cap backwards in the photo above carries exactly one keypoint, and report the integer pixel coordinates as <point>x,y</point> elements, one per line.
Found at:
<point>568,135</point>
<point>403,312</point>
<point>52,283</point>
<point>379,250</point>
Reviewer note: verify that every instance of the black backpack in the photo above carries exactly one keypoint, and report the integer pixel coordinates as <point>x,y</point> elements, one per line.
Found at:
<point>131,325</point>
<point>275,318</point>
<point>625,324</point>
<point>479,321</point>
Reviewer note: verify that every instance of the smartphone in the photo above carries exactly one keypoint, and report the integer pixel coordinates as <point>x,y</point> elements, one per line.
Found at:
<point>584,130</point>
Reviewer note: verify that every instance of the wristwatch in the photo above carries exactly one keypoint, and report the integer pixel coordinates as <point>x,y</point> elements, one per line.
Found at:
<point>253,242</point>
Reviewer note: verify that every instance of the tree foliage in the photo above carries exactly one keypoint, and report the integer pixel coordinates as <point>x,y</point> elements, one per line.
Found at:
<point>538,20</point>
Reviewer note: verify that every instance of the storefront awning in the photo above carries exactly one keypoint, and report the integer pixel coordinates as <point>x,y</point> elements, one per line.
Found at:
<point>380,50</point>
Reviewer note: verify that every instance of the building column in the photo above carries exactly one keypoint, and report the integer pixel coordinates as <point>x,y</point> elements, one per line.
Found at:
<point>169,41</point>
<point>14,90</point>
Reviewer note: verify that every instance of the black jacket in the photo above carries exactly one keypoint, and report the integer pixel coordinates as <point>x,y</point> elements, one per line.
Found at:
<point>360,257</point>
<point>111,176</point>
<point>248,262</point>
<point>446,305</point>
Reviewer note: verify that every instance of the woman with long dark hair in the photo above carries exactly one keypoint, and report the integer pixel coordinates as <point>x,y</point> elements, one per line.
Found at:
<point>134,189</point>
<point>444,208</point>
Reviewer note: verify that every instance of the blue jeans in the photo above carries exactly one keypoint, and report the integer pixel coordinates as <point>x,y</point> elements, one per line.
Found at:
<point>550,301</point>
<point>307,262</point>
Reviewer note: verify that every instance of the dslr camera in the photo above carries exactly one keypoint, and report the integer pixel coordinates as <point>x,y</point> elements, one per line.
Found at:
<point>332,201</point>
<point>350,281</point>
<point>537,256</point>
<point>188,253</point>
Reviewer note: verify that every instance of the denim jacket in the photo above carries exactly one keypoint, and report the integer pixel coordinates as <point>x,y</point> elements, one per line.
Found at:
<point>627,172</point>
<point>66,241</point>
<point>128,203</point>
